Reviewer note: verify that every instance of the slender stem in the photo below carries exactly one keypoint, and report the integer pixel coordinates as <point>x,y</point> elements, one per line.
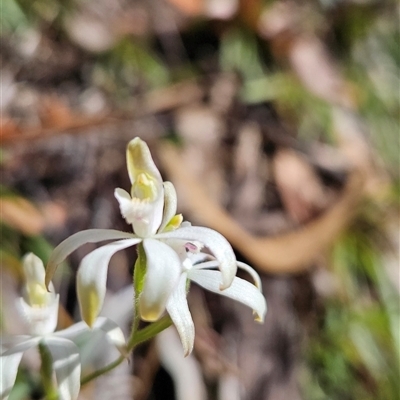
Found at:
<point>46,373</point>
<point>151,330</point>
<point>102,371</point>
<point>137,336</point>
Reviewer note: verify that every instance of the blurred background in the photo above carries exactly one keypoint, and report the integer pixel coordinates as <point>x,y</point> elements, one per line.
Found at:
<point>278,123</point>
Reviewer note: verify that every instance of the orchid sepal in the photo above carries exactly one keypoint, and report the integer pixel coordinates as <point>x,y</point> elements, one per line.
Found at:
<point>163,269</point>
<point>92,278</point>
<point>69,245</point>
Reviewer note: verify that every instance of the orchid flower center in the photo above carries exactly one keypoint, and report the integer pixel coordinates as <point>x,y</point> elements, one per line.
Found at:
<point>193,247</point>
<point>144,187</point>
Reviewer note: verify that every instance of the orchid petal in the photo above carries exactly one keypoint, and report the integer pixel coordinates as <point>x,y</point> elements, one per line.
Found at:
<point>7,341</point>
<point>162,275</point>
<point>22,346</point>
<point>113,333</point>
<point>218,245</point>
<point>170,204</point>
<point>198,263</point>
<point>197,258</point>
<point>67,366</point>
<point>92,278</point>
<point>178,310</point>
<point>111,330</point>
<point>8,373</point>
<point>65,248</point>
<point>73,331</point>
<point>252,272</point>
<point>240,290</point>
<point>212,264</point>
<point>10,360</point>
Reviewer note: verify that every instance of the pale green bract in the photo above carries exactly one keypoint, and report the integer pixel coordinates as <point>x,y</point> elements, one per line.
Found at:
<point>172,250</point>
<point>39,309</point>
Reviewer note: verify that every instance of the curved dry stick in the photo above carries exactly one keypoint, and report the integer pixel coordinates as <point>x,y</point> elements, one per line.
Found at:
<point>287,253</point>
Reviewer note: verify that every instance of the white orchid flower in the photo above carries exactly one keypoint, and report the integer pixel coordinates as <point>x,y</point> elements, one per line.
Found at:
<point>37,306</point>
<point>39,309</point>
<point>200,268</point>
<point>151,209</point>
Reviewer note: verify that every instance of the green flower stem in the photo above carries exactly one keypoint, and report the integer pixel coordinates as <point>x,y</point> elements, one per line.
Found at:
<point>102,371</point>
<point>151,330</point>
<point>136,337</point>
<point>46,373</point>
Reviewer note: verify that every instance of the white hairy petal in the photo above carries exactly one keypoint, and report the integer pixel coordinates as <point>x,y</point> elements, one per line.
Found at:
<point>135,211</point>
<point>240,290</point>
<point>218,245</point>
<point>162,274</point>
<point>39,320</point>
<point>125,204</point>
<point>144,216</point>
